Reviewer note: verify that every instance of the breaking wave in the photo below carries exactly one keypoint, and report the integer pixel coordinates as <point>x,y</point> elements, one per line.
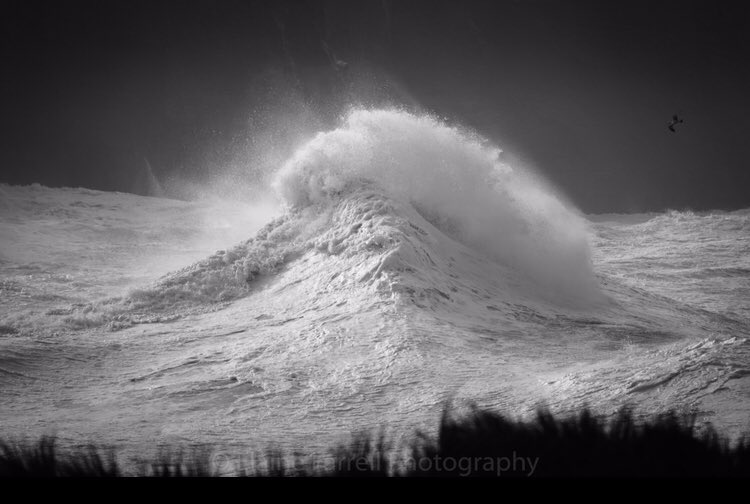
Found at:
<point>457,181</point>
<point>406,204</point>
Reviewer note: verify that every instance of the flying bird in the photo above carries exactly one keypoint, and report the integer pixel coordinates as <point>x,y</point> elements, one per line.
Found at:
<point>675,121</point>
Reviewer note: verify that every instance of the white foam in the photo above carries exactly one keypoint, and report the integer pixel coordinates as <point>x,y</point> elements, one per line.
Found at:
<point>456,180</point>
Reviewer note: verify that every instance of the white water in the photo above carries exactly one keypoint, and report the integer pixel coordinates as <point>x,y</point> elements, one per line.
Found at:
<point>457,182</point>
<point>410,267</point>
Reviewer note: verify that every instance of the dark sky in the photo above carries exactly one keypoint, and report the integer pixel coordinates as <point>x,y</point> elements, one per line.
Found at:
<point>583,90</point>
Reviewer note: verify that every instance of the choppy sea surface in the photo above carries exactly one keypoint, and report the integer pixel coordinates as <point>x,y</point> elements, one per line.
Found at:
<point>405,266</point>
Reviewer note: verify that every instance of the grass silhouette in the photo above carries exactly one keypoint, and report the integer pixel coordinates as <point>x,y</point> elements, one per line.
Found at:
<point>582,445</point>
<point>479,444</point>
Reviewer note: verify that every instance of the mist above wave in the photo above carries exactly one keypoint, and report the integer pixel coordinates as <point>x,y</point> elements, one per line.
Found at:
<point>457,181</point>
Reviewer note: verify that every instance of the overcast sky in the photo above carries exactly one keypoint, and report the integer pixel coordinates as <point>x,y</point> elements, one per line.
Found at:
<point>583,90</point>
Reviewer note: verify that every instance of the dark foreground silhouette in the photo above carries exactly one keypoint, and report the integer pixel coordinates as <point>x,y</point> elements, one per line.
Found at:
<point>482,444</point>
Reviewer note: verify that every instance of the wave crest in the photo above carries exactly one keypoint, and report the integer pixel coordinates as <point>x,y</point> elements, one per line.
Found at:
<point>457,181</point>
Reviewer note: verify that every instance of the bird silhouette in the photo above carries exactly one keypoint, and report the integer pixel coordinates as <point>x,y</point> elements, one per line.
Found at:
<point>675,121</point>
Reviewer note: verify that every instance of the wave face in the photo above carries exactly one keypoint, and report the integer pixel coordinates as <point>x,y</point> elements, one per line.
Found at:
<point>457,182</point>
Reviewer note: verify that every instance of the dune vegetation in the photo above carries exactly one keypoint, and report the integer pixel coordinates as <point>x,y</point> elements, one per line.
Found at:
<point>479,444</point>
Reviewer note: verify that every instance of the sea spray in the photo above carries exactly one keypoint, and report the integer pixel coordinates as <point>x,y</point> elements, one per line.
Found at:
<point>455,180</point>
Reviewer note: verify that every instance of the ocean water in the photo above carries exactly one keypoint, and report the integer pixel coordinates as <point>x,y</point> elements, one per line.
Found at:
<point>403,265</point>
